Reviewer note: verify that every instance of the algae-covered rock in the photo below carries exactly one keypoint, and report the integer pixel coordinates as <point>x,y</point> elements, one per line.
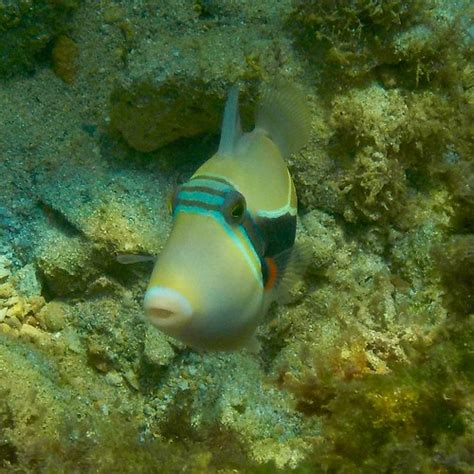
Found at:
<point>53,316</point>
<point>175,86</point>
<point>157,351</point>
<point>354,37</point>
<point>52,417</point>
<point>151,115</point>
<point>65,264</point>
<point>224,396</point>
<point>325,237</point>
<point>26,29</point>
<point>29,401</point>
<point>455,260</point>
<point>396,41</point>
<point>89,224</point>
<point>366,368</point>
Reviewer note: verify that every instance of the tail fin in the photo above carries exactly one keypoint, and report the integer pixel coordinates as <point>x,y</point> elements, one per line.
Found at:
<point>231,130</point>
<point>284,114</point>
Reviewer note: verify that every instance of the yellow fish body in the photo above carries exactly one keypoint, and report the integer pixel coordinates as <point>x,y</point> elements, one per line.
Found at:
<point>233,235</point>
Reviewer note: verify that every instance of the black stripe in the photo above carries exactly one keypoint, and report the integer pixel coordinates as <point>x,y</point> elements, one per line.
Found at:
<point>278,233</point>
<point>212,178</point>
<point>254,234</point>
<point>204,189</point>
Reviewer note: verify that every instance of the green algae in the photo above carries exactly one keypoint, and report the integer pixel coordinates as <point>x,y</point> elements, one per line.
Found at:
<point>369,366</point>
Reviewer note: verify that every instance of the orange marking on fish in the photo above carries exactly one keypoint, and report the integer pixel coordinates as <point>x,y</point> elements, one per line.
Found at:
<point>272,273</point>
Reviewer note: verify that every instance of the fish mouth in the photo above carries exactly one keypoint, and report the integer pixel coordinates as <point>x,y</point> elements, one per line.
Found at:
<point>166,307</point>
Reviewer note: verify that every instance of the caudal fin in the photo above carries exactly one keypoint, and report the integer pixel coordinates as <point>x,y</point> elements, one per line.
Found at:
<point>284,114</point>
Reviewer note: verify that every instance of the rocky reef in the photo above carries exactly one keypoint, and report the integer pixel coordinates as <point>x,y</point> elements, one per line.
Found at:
<point>368,368</point>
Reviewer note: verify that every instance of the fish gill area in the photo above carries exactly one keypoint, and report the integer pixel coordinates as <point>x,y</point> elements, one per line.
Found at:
<point>105,106</point>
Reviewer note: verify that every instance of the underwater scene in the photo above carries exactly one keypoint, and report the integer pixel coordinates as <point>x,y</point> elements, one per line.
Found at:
<point>236,236</point>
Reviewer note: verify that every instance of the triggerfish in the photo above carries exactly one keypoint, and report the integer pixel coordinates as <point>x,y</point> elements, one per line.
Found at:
<point>231,251</point>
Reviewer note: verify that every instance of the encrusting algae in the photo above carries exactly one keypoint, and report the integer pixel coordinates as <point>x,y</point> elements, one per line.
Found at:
<point>367,367</point>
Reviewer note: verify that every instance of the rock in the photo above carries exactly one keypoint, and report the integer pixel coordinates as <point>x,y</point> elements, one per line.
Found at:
<point>5,328</point>
<point>175,87</point>
<point>27,282</point>
<point>4,268</point>
<point>53,317</point>
<point>26,29</point>
<point>157,349</point>
<point>65,264</point>
<point>31,333</point>
<point>6,290</point>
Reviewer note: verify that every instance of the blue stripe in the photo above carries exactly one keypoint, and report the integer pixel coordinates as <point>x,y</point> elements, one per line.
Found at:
<point>209,199</point>
<point>216,215</point>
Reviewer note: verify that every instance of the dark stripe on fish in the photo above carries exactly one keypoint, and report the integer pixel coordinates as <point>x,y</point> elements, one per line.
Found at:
<point>278,233</point>
<point>213,178</point>
<point>254,234</point>
<point>203,189</point>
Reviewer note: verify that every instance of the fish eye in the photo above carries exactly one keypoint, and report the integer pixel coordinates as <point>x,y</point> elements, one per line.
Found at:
<point>234,207</point>
<point>237,211</point>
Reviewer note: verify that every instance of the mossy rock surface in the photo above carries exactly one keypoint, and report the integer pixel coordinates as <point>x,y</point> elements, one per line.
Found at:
<point>366,367</point>
<point>27,28</point>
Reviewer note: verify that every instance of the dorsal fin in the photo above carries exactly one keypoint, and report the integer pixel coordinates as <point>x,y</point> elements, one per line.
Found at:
<point>285,115</point>
<point>231,130</point>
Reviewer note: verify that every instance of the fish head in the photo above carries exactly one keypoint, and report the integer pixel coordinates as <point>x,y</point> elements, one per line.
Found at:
<point>206,288</point>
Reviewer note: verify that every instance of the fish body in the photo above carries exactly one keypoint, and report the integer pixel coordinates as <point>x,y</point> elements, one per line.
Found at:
<point>234,228</point>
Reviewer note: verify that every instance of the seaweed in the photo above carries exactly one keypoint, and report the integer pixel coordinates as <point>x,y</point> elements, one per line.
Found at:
<point>414,418</point>
<point>455,261</point>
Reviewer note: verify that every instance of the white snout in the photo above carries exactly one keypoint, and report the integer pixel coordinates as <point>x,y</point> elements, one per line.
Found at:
<point>166,308</point>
